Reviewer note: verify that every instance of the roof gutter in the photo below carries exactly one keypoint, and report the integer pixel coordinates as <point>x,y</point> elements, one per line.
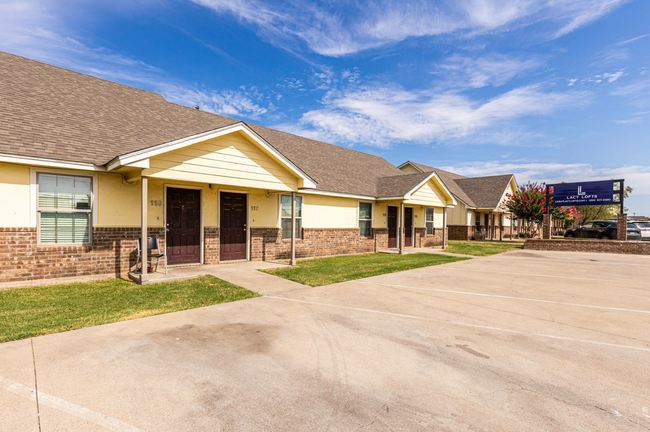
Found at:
<point>29,160</point>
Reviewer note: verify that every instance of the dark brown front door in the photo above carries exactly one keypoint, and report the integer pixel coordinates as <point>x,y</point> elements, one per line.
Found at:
<point>392,227</point>
<point>408,226</point>
<point>183,226</point>
<point>232,231</point>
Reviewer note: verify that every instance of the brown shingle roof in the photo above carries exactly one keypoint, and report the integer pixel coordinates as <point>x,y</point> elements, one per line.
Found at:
<point>479,192</point>
<point>399,185</point>
<point>55,113</point>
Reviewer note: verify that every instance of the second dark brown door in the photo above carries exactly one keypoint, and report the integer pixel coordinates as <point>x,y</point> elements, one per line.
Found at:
<point>392,227</point>
<point>408,226</point>
<point>232,230</point>
<point>183,226</point>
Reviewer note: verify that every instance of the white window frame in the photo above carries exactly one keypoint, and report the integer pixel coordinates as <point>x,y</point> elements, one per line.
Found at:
<point>433,220</point>
<point>302,210</point>
<point>372,213</point>
<point>89,212</point>
<point>34,214</point>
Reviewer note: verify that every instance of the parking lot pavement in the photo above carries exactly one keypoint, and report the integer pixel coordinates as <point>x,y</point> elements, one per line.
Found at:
<point>518,341</point>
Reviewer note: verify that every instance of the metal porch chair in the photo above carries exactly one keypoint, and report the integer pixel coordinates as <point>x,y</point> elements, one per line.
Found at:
<point>152,243</point>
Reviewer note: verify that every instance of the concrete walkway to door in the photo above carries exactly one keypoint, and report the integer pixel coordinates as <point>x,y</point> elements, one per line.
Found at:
<point>243,274</point>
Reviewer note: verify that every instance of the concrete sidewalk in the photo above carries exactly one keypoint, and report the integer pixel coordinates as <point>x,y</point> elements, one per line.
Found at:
<point>513,342</point>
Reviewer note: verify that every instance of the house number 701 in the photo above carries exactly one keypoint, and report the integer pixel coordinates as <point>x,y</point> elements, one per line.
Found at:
<point>156,203</point>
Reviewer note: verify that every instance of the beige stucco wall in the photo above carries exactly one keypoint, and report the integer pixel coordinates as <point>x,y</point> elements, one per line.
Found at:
<point>329,212</point>
<point>14,195</point>
<point>118,203</point>
<point>230,160</point>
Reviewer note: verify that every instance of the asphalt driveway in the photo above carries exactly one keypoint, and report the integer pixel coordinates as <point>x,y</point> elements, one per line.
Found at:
<point>518,341</point>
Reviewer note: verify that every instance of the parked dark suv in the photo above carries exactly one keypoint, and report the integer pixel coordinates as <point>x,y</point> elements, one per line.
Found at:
<point>604,230</point>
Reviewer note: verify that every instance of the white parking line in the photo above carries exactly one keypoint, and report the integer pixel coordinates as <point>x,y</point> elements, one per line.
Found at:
<point>542,335</point>
<point>535,275</point>
<point>502,296</point>
<point>89,415</point>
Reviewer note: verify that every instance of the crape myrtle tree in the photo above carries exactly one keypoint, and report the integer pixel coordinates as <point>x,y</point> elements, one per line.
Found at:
<point>529,205</point>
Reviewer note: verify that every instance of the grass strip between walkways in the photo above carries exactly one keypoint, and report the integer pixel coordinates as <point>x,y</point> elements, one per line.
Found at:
<point>326,271</point>
<point>482,248</point>
<point>35,311</point>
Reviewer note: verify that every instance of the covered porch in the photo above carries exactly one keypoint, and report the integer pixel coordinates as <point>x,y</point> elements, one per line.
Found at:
<point>210,199</point>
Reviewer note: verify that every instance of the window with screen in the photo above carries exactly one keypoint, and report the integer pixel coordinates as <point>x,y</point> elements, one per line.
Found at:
<point>64,209</point>
<point>285,216</point>
<point>429,220</point>
<point>365,219</point>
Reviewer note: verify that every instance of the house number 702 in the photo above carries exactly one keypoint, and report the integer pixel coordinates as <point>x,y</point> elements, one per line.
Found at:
<point>156,203</point>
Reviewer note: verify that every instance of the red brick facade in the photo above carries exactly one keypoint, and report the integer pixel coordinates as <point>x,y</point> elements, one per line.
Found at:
<point>459,232</point>
<point>113,250</point>
<point>267,243</point>
<point>588,245</point>
<point>422,239</point>
<point>113,253</point>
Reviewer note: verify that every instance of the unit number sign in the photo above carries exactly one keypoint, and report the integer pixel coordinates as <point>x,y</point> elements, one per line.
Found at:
<point>156,203</point>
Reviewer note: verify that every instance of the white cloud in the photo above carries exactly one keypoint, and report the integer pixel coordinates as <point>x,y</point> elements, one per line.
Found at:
<point>342,28</point>
<point>379,115</point>
<point>32,29</point>
<point>635,175</point>
<point>493,70</point>
<point>225,102</point>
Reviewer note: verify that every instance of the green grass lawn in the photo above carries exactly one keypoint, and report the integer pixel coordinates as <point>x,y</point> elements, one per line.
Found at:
<point>35,311</point>
<point>482,248</point>
<point>325,271</point>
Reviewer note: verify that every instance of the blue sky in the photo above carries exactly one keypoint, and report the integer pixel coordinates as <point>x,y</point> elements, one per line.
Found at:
<point>550,90</point>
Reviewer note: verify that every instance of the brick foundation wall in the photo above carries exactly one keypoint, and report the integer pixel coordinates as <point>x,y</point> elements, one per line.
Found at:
<point>113,252</point>
<point>211,242</point>
<point>429,240</point>
<point>267,243</point>
<point>459,232</point>
<point>603,246</point>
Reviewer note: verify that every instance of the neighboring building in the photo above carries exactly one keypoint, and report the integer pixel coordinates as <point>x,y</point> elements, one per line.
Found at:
<point>82,160</point>
<point>479,214</point>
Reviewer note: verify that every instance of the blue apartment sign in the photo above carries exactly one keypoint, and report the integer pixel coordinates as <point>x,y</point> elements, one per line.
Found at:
<point>584,193</point>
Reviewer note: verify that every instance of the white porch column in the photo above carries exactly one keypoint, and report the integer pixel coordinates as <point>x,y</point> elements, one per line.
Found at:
<point>444,227</point>
<point>143,235</point>
<point>401,228</point>
<point>293,229</point>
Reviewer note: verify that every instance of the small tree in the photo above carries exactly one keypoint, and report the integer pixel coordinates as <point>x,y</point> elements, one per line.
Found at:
<point>602,212</point>
<point>529,205</point>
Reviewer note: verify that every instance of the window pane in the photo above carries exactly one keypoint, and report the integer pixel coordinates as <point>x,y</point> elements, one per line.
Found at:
<point>430,228</point>
<point>82,193</point>
<point>46,191</point>
<point>286,206</point>
<point>365,228</point>
<point>48,227</point>
<point>298,207</point>
<point>365,210</point>
<point>286,228</point>
<point>65,227</point>
<point>81,228</point>
<point>65,192</point>
<point>298,228</point>
<point>429,215</point>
